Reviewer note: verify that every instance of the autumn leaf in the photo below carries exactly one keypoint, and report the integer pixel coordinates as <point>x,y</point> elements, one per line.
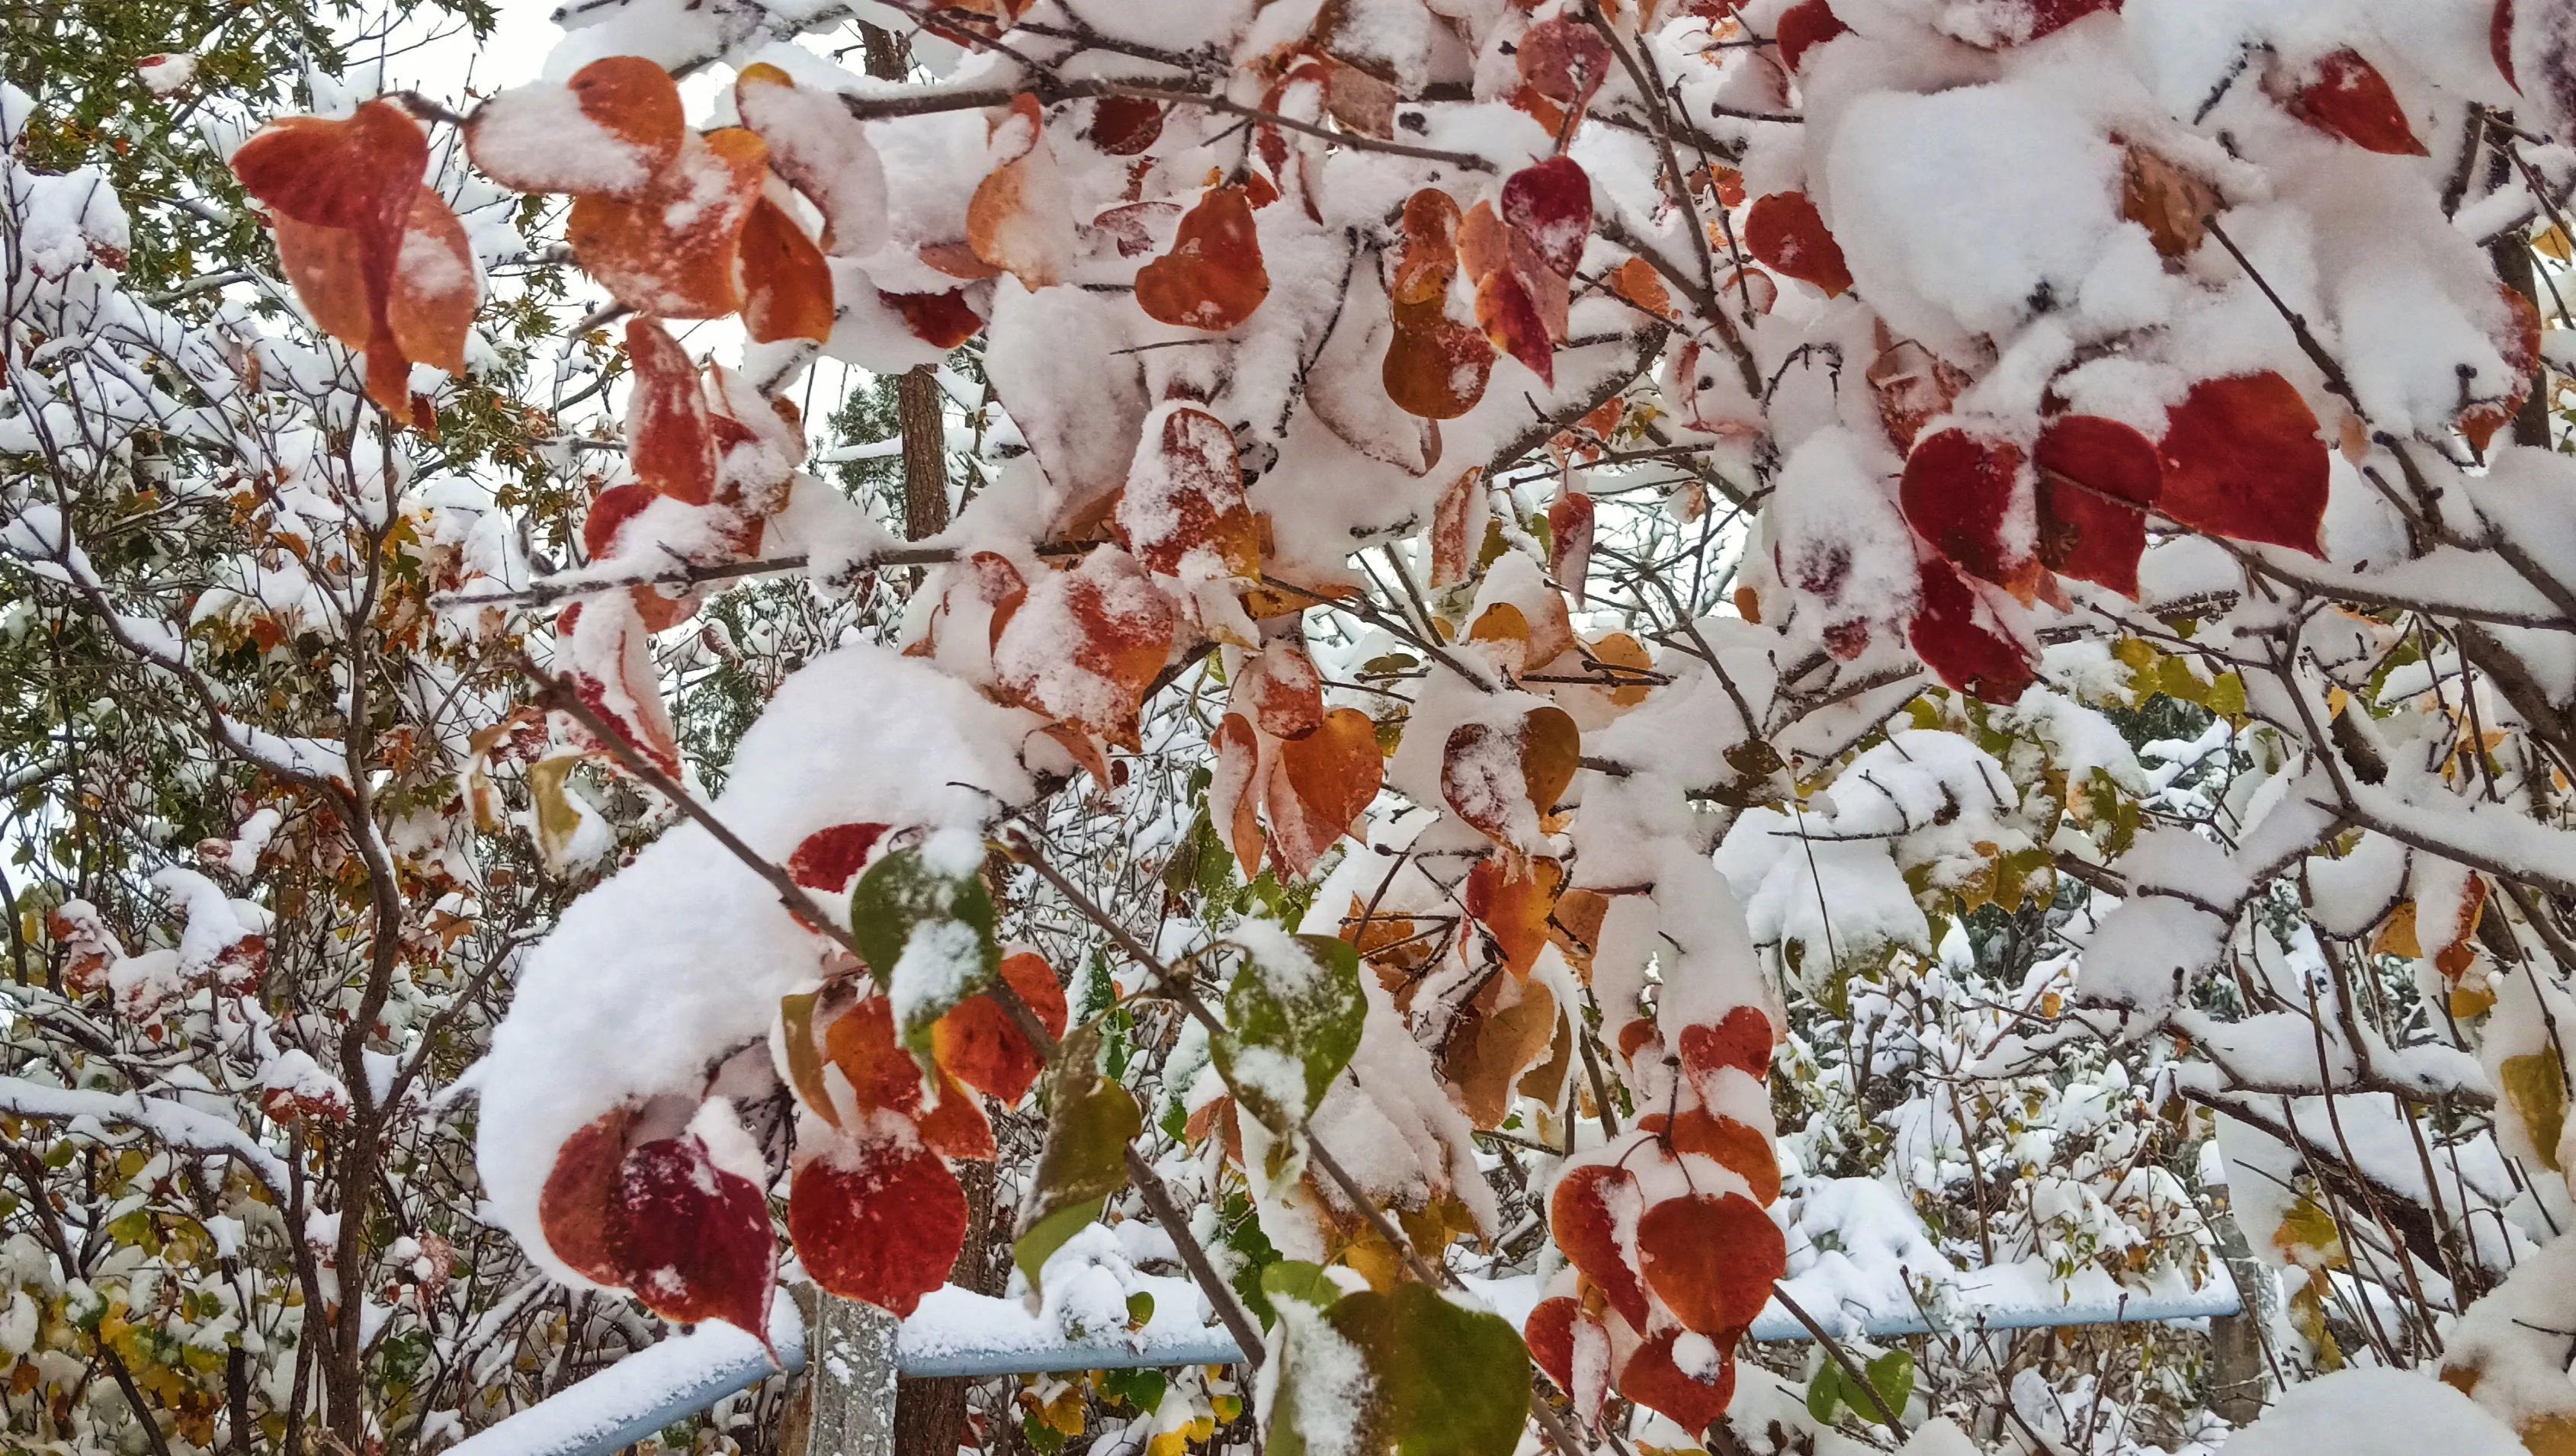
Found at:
<point>2343,95</point>
<point>941,320</point>
<point>1235,790</point>
<point>1124,126</point>
<point>670,250</point>
<point>610,129</point>
<point>2535,1087</point>
<point>670,440</point>
<point>1505,781</point>
<point>1319,785</point>
<point>1961,492</point>
<point>1786,233</point>
<point>1594,1213</point>
<point>1574,1349</point>
<point>1086,643</point>
<point>1428,258</point>
<point>1435,367</point>
<point>828,859</point>
<point>2243,457</point>
<point>1510,317</point>
<point>1281,689</point>
<point>435,292</point>
<point>1711,1259</point>
<point>2173,205</point>
<point>1637,282</point>
<point>1962,638</point>
<point>1496,1036</point>
<point>954,1125</point>
<point>979,1043</point>
<point>1212,278</point>
<point>1654,1379</point>
<point>2091,471</point>
<point>883,1076</point>
<point>579,1210</point>
<point>786,284</point>
<point>908,896</point>
<point>1802,27</point>
<point>820,150</point>
<point>1738,1147</point>
<point>877,1220</point>
<point>1741,1039</point>
<point>1020,219</point>
<point>1447,1380</point>
<point>1183,513</point>
<point>1514,907</point>
<point>1551,205</point>
<point>1090,1121</point>
<point>697,1243</point>
<point>1564,60</point>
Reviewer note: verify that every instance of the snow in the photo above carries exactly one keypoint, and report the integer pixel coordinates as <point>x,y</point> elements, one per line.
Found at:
<point>2368,1412</point>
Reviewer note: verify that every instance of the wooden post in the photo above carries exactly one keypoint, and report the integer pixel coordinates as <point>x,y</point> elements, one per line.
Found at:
<point>844,1405</point>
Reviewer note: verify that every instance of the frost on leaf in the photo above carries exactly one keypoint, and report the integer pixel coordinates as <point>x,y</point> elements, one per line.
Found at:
<point>1506,781</point>
<point>1787,234</point>
<point>877,1220</point>
<point>1083,645</point>
<point>2243,457</point>
<point>979,1043</point>
<point>1212,278</point>
<point>1183,513</point>
<point>670,250</point>
<point>1020,220</point>
<point>697,1237</point>
<point>1293,1015</point>
<point>610,129</point>
<point>1593,1214</point>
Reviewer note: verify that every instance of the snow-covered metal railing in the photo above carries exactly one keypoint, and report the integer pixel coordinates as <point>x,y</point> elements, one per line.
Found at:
<point>959,1333</point>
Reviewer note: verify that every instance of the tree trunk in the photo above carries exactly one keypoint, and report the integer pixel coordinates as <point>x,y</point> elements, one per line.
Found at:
<point>925,452</point>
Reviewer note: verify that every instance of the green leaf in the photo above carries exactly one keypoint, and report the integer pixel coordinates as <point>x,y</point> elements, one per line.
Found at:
<point>1298,1280</point>
<point>1892,1376</point>
<point>1294,1020</point>
<point>1825,1393</point>
<point>1142,1389</point>
<point>1450,1381</point>
<point>1090,1121</point>
<point>903,895</point>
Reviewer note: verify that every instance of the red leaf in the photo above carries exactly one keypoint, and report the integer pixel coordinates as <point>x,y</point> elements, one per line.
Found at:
<point>670,250</point>
<point>1959,491</point>
<point>2046,17</point>
<point>786,284</point>
<point>2521,350</point>
<point>1652,1379</point>
<point>979,1044</point>
<point>1564,60</point>
<point>1489,775</point>
<point>359,174</point>
<point>579,1209</point>
<point>2347,97</point>
<point>955,1126</point>
<point>698,1244</point>
<point>1804,26</point>
<point>1959,637</point>
<point>1123,126</point>
<point>1512,323</point>
<point>1741,1039</point>
<point>941,320</point>
<point>671,443</point>
<point>1212,278</point>
<point>1282,690</point>
<point>1736,1146</point>
<point>615,507</point>
<point>1711,1260</point>
<point>2244,458</point>
<point>1551,204</point>
<point>1574,1349</point>
<point>2500,41</point>
<point>2090,469</point>
<point>828,859</point>
<point>1593,1213</point>
<point>1569,525</point>
<point>878,1221</point>
<point>1787,234</point>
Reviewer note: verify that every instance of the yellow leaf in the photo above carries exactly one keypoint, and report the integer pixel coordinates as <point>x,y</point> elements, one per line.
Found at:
<point>558,821</point>
<point>2554,242</point>
<point>2309,1237</point>
<point>2397,934</point>
<point>2536,1086</point>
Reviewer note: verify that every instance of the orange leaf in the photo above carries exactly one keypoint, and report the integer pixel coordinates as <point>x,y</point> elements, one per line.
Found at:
<point>828,859</point>
<point>883,1076</point>
<point>1212,278</point>
<point>1959,491</point>
<point>955,1126</point>
<point>1638,283</point>
<point>2171,204</point>
<point>1504,782</point>
<point>1787,234</point>
<point>1183,513</point>
<point>1021,219</point>
<point>359,174</point>
<point>669,251</point>
<point>1569,526</point>
<point>544,137</point>
<point>1509,315</point>
<point>822,151</point>
<point>1738,1147</point>
<point>612,673</point>
<point>1593,1213</point>
<point>1282,689</point>
<point>1435,366</point>
<point>1514,907</point>
<point>578,1209</point>
<point>1456,528</point>
<point>1234,791</point>
<point>786,284</point>
<point>1430,255</point>
<point>979,1044</point>
<point>2345,96</point>
<point>2243,457</point>
<point>1320,784</point>
<point>670,441</point>
<point>1086,643</point>
<point>1506,1027</point>
<point>431,308</point>
<point>1914,387</point>
<point>879,1221</point>
<point>1711,1260</point>
<point>698,1243</point>
<point>1960,637</point>
<point>1741,1039</point>
<point>1654,1380</point>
